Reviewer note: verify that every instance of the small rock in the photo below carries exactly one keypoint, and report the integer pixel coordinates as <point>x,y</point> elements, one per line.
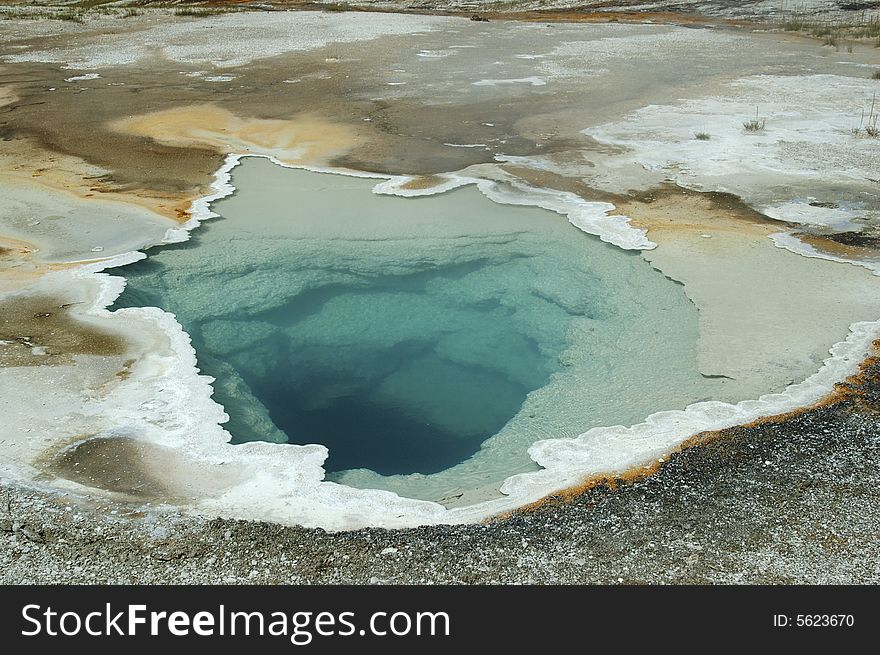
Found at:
<point>33,535</point>
<point>391,550</point>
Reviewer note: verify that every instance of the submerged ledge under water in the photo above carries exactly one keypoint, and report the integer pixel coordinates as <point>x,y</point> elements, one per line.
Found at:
<point>426,342</point>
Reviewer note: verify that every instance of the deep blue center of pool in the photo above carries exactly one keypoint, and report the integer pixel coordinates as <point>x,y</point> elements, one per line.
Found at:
<point>409,335</point>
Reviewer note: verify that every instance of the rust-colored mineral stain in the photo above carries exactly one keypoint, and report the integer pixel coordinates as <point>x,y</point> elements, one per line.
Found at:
<point>612,482</point>
<point>568,15</point>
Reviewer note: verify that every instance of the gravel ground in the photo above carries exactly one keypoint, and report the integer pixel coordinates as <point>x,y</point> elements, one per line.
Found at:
<point>790,502</point>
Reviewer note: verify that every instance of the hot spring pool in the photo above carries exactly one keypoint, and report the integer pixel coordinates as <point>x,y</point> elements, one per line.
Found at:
<point>427,342</point>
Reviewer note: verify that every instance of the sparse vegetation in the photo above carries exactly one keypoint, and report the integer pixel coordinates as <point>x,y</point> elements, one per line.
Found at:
<point>870,29</point>
<point>80,10</point>
<point>702,136</point>
<point>875,75</point>
<point>864,26</point>
<point>794,25</point>
<point>90,4</point>
<point>71,15</point>
<point>755,124</point>
<point>868,124</point>
<point>18,14</point>
<point>197,11</point>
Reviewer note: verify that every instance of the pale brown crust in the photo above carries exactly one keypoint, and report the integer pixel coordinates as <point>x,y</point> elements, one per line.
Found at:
<point>828,246</point>
<point>423,182</point>
<point>40,331</point>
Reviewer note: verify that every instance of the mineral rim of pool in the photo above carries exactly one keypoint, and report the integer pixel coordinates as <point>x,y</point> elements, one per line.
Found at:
<point>426,342</point>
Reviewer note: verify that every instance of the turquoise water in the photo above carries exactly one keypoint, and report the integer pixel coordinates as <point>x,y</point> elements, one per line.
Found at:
<point>426,342</point>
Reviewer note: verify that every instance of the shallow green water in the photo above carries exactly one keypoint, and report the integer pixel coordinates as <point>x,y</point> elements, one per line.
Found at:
<point>427,342</point>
